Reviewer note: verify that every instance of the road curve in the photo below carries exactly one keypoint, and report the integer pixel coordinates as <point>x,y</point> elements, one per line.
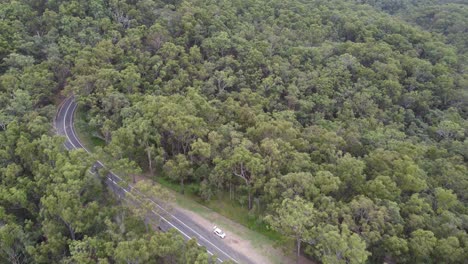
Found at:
<point>63,124</point>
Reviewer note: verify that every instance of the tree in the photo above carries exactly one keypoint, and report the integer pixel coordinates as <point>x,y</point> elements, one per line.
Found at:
<point>291,185</point>
<point>91,250</point>
<point>372,220</point>
<point>200,150</point>
<point>20,104</point>
<point>179,169</point>
<point>145,137</point>
<point>326,182</point>
<point>13,243</point>
<point>396,249</point>
<point>340,245</point>
<point>245,165</point>
<point>151,200</point>
<point>444,199</point>
<point>359,112</point>
<point>382,187</point>
<point>125,168</point>
<point>449,250</point>
<point>133,252</point>
<point>195,254</point>
<point>294,218</point>
<point>130,78</point>
<point>422,244</point>
<point>177,123</point>
<point>350,170</point>
<point>67,203</point>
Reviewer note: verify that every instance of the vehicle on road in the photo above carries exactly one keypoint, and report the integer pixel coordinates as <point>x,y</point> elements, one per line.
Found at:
<point>219,232</point>
<point>178,220</point>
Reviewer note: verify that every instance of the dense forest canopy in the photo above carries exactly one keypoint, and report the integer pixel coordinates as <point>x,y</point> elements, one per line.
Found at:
<point>446,17</point>
<point>353,112</point>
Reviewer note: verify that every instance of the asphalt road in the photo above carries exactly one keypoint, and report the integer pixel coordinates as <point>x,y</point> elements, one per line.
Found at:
<point>174,219</point>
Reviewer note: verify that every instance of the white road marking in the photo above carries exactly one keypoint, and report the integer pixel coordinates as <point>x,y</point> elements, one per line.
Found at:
<point>59,110</point>
<point>180,221</point>
<point>64,126</point>
<point>71,125</point>
<point>163,218</point>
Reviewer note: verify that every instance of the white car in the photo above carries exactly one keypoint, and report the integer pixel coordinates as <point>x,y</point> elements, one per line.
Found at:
<point>219,232</point>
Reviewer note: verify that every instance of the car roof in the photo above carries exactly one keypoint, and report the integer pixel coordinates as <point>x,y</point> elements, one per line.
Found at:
<point>218,230</point>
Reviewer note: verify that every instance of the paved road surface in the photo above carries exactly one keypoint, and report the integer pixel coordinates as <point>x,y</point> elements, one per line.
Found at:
<point>175,219</point>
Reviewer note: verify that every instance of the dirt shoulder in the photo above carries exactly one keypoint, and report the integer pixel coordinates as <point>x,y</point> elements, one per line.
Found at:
<point>232,239</point>
<point>257,247</point>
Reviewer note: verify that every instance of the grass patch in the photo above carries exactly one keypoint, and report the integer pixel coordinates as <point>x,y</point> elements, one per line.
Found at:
<point>220,204</point>
<point>85,132</point>
<point>232,210</point>
<point>257,232</point>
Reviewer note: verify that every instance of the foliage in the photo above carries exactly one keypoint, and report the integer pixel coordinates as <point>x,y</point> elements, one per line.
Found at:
<point>338,104</point>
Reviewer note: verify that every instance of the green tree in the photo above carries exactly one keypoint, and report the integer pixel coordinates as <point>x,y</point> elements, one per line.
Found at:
<point>67,203</point>
<point>396,248</point>
<point>294,218</point>
<point>340,245</point>
<point>179,169</point>
<point>13,243</point>
<point>245,165</point>
<point>422,244</point>
<point>444,199</point>
<point>449,250</point>
<point>133,252</point>
<point>151,200</point>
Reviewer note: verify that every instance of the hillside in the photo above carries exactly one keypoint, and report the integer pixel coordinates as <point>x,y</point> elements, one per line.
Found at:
<point>340,124</point>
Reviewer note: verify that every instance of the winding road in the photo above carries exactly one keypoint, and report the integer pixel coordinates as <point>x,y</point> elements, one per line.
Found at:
<point>175,219</point>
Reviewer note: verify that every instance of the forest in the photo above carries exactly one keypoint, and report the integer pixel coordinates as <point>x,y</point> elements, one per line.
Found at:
<point>340,124</point>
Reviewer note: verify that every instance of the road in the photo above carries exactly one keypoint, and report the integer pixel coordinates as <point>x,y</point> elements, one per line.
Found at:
<point>63,123</point>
